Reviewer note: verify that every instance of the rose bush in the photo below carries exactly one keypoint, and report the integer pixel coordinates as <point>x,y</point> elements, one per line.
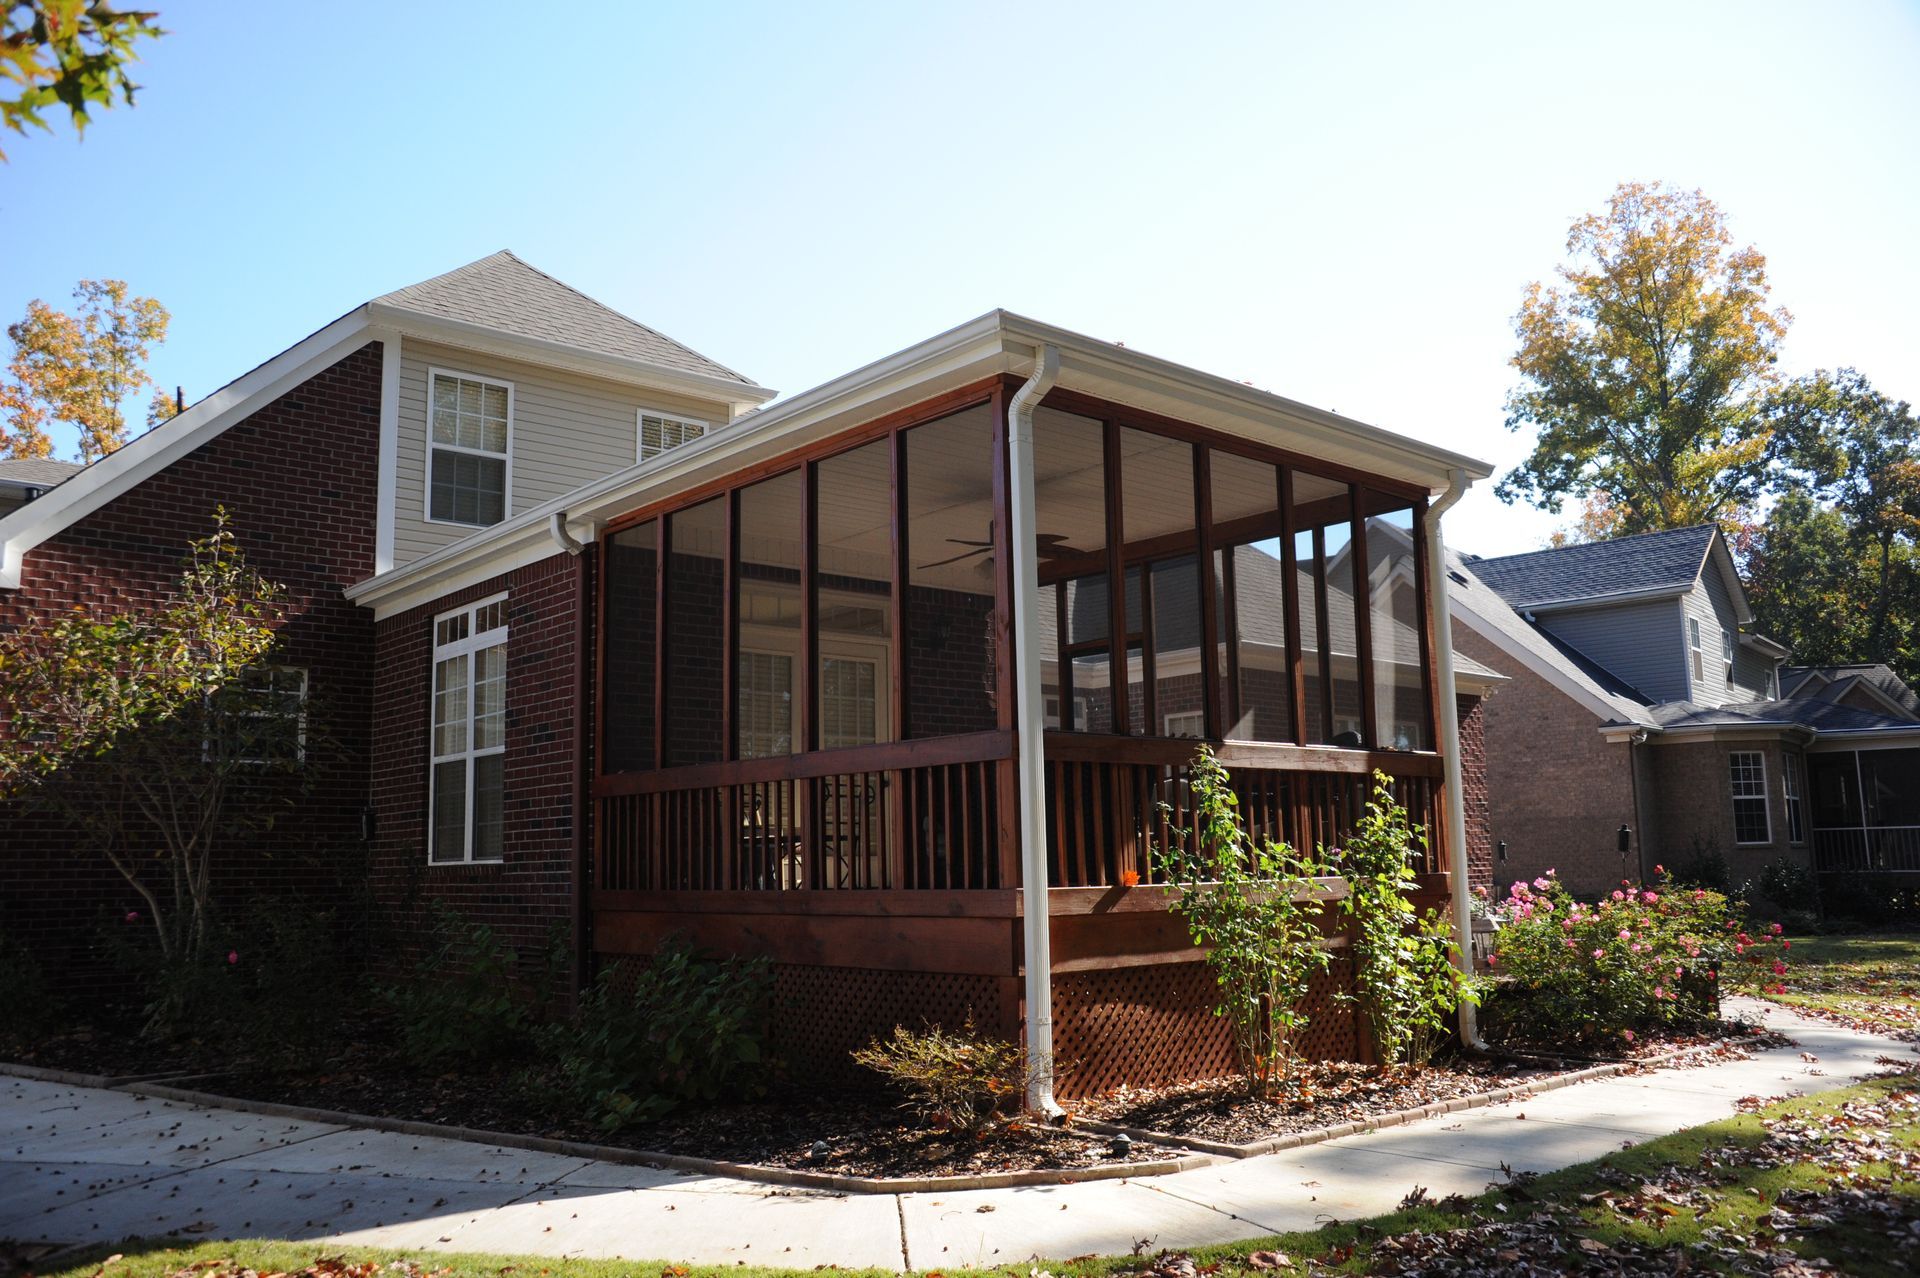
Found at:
<point>1642,957</point>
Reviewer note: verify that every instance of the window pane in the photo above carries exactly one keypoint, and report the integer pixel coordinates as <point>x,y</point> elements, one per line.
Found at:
<point>772,545</point>
<point>449,810</point>
<point>696,642</point>
<point>1260,599</point>
<point>628,732</point>
<point>1178,684</point>
<point>489,802</point>
<point>1070,489</point>
<point>854,596</point>
<point>467,489</point>
<point>1399,682</point>
<point>950,593</point>
<point>490,697</point>
<point>450,706</point>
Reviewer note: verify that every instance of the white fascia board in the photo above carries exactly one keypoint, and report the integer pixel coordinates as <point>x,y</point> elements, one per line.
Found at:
<point>1866,738</point>
<point>1763,644</point>
<point>552,354</point>
<point>954,358</point>
<point>122,469</point>
<point>1176,390</point>
<point>387,508</point>
<point>1758,728</point>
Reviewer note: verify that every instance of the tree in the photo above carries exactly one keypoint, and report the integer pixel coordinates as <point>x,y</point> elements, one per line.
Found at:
<point>1810,586</point>
<point>69,53</point>
<point>1845,444</point>
<point>150,734</point>
<point>80,369</point>
<point>1645,373</point>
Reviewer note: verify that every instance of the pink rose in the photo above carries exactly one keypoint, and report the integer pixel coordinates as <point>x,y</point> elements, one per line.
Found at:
<point>1649,897</point>
<point>1659,991</point>
<point>133,916</point>
<point>1540,884</point>
<point>1625,935</point>
<point>1627,1034</point>
<point>233,956</point>
<point>1493,960</point>
<point>1779,968</point>
<point>1599,953</point>
<point>1618,895</point>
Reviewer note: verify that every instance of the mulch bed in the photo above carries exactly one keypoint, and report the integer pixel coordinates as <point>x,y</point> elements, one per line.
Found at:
<point>1321,1094</point>
<point>114,1053</point>
<point>865,1135</point>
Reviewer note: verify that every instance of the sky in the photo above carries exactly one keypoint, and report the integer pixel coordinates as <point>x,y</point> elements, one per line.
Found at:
<point>1339,203</point>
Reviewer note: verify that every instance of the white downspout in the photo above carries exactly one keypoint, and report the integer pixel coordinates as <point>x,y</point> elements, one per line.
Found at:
<point>1456,805</point>
<point>1030,728</point>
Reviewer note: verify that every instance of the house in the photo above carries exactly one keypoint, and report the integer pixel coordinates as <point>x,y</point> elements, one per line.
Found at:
<point>623,648</point>
<point>1641,697</point>
<point>24,478</point>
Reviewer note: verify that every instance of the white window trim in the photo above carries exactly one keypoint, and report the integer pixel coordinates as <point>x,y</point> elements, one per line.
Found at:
<point>1167,722</point>
<point>426,471</point>
<point>639,426</point>
<point>473,643</point>
<point>1696,655</point>
<point>1765,797</point>
<point>300,724</point>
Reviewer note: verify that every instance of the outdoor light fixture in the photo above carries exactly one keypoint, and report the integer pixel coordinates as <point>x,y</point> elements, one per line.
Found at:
<point>1501,849</point>
<point>1121,1146</point>
<point>1625,837</point>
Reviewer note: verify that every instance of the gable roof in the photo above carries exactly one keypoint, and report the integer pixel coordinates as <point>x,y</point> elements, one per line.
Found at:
<point>1831,683</point>
<point>506,295</point>
<point>1649,564</point>
<point>1820,715</point>
<point>36,472</point>
<point>519,312</point>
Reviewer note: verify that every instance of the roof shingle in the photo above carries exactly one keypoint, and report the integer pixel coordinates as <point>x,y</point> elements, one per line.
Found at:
<point>41,472</point>
<point>1649,562</point>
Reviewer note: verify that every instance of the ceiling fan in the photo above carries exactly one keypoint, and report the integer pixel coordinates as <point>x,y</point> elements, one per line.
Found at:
<point>1051,546</point>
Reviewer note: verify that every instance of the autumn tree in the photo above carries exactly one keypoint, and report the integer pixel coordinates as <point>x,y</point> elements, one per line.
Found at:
<point>80,369</point>
<point>1849,473</point>
<point>66,53</point>
<point>1645,369</point>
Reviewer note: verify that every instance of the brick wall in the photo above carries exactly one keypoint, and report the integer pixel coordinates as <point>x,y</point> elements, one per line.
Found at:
<point>1556,790</point>
<point>1473,778</point>
<point>299,481</point>
<point>529,892</point>
<point>1693,800</point>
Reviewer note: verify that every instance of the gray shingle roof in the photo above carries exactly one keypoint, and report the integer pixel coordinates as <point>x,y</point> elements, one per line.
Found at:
<point>503,293</point>
<point>1830,683</point>
<point>1824,716</point>
<point>40,472</point>
<point>1649,562</point>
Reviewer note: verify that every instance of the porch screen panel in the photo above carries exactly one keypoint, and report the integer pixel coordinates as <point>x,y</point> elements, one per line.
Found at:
<point>853,601</point>
<point>1322,514</point>
<point>1247,524</point>
<point>767,608</point>
<point>1166,676</point>
<point>1074,625</point>
<point>1892,787</point>
<point>1393,605</point>
<point>696,635</point>
<point>630,639</point>
<point>950,583</point>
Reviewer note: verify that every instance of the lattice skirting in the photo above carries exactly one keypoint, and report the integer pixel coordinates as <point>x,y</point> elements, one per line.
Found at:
<point>821,1015</point>
<point>1141,1026</point>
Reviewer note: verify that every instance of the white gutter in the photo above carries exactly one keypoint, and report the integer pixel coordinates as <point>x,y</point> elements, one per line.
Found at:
<point>557,529</point>
<point>1456,804</point>
<point>1030,728</point>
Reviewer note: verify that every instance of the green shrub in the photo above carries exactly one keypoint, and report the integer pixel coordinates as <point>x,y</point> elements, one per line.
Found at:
<point>1253,906</point>
<point>461,1003</point>
<point>1705,867</point>
<point>1789,884</point>
<point>962,1082</point>
<point>1640,958</point>
<point>1405,977</point>
<point>646,1040</point>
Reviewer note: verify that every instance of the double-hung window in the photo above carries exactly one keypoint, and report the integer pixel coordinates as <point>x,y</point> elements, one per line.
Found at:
<point>1751,822</point>
<point>470,442</point>
<point>1726,654</point>
<point>1699,655</point>
<point>260,719</point>
<point>659,432</point>
<point>469,742</point>
<point>1791,787</point>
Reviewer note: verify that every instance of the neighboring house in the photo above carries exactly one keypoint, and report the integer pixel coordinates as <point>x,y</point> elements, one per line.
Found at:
<point>23,479</point>
<point>1641,697</point>
<point>613,648</point>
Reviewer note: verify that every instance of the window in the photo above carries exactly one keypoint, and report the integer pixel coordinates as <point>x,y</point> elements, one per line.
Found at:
<point>765,704</point>
<point>1726,653</point>
<point>849,702</point>
<point>659,432</point>
<point>1751,823</point>
<point>1693,645</point>
<point>1790,784</point>
<point>469,739</point>
<point>471,432</point>
<point>262,717</point>
<point>1189,723</point>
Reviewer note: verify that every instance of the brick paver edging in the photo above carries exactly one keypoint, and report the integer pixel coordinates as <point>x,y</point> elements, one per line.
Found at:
<point>1293,1140</point>
<point>678,1162</point>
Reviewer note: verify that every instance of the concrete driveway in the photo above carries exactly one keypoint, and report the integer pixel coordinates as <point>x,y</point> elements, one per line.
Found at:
<point>79,1165</point>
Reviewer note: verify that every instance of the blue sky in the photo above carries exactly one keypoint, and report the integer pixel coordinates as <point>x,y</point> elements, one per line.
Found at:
<point>1339,203</point>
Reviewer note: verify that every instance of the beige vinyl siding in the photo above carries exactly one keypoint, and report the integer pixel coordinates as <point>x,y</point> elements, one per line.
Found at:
<point>567,431</point>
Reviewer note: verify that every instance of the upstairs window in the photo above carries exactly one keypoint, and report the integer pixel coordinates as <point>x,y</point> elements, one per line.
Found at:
<point>471,434</point>
<point>658,433</point>
<point>1726,653</point>
<point>1699,654</point>
<point>469,733</point>
<point>1751,822</point>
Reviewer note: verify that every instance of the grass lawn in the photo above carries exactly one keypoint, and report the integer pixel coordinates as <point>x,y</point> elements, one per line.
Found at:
<point>1835,1177</point>
<point>1871,980</point>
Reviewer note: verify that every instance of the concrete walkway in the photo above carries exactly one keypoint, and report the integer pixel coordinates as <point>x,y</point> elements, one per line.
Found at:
<point>78,1166</point>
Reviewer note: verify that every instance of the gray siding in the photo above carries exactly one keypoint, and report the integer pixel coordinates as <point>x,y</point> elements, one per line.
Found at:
<point>1712,604</point>
<point>1642,643</point>
<point>567,431</point>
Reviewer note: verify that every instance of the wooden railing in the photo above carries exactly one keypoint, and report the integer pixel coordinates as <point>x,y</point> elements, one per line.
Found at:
<point>915,814</point>
<point>1881,849</point>
<point>1112,802</point>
